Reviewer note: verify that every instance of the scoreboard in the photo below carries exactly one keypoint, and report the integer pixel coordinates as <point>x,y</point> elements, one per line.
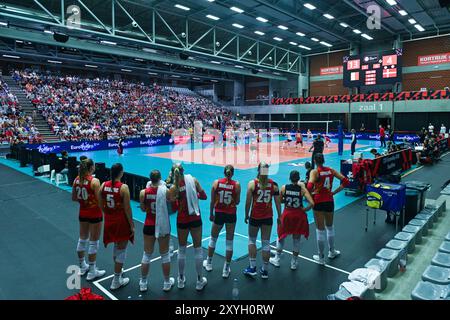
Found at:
<point>373,69</point>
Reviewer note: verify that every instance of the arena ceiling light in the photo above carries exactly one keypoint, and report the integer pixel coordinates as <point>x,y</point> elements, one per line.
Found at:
<point>328,16</point>
<point>419,27</point>
<point>236,9</point>
<point>195,78</point>
<point>90,66</point>
<point>301,34</point>
<point>126,70</point>
<point>304,47</point>
<point>315,39</point>
<point>259,33</point>
<point>412,21</point>
<point>3,24</point>
<point>139,59</point>
<point>108,42</point>
<point>262,19</point>
<point>49,32</point>
<point>175,76</point>
<point>210,16</point>
<point>240,67</point>
<point>357,31</point>
<point>309,6</point>
<point>237,25</point>
<point>403,12</point>
<point>54,61</point>
<point>343,25</point>
<point>366,36</point>
<point>293,43</point>
<point>326,44</point>
<point>282,27</point>
<point>10,56</point>
<point>391,2</point>
<point>179,6</point>
<point>277,39</point>
<point>212,80</point>
<point>153,73</point>
<point>215,62</point>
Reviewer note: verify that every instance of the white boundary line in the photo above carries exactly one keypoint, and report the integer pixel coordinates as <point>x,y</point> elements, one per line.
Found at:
<point>300,256</point>
<point>113,297</point>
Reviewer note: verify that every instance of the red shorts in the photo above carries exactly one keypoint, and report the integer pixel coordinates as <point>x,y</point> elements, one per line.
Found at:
<point>116,229</point>
<point>293,222</point>
<point>120,151</point>
<point>94,213</point>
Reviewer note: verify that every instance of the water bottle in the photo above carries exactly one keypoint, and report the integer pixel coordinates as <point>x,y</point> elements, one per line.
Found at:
<point>171,248</point>
<point>235,292</point>
<point>402,261</point>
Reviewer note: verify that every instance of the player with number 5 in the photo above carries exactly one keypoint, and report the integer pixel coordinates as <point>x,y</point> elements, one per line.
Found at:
<point>84,191</point>
<point>225,197</point>
<point>260,193</point>
<point>320,185</point>
<point>114,199</point>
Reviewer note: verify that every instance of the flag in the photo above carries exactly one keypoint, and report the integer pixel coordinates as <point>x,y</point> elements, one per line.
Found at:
<point>390,73</point>
<point>354,76</point>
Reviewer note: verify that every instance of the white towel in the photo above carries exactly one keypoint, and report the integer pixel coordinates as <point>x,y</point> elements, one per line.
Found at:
<point>367,276</point>
<point>191,195</point>
<point>354,288</point>
<point>162,226</point>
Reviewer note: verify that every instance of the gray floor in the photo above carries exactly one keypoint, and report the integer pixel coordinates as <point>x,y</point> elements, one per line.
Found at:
<point>39,231</point>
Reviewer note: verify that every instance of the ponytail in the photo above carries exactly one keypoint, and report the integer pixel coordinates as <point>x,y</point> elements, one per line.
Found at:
<point>84,169</point>
<point>116,170</point>
<point>178,173</point>
<point>229,171</point>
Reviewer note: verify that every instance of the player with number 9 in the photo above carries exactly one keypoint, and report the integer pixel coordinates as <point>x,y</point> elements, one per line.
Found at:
<point>225,197</point>
<point>84,191</point>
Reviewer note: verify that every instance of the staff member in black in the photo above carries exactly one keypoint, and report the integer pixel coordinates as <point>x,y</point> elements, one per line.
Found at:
<point>354,140</point>
<point>391,133</point>
<point>317,147</point>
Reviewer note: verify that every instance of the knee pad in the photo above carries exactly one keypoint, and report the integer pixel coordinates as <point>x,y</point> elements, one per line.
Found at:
<point>252,240</point>
<point>296,243</point>
<point>265,245</point>
<point>93,247</point>
<point>182,252</point>
<point>212,242</point>
<point>321,235</point>
<point>229,245</point>
<point>330,231</point>
<point>121,255</point>
<point>198,253</point>
<point>82,245</point>
<point>165,257</point>
<point>146,258</point>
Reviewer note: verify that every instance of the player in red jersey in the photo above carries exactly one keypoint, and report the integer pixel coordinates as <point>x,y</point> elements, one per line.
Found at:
<point>225,197</point>
<point>294,220</point>
<point>114,199</point>
<point>185,192</point>
<point>148,203</point>
<point>260,193</point>
<point>320,185</point>
<point>298,140</point>
<point>84,191</point>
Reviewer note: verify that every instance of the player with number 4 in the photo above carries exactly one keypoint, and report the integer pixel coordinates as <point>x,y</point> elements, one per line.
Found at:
<point>320,185</point>
<point>225,197</point>
<point>84,191</point>
<point>260,193</point>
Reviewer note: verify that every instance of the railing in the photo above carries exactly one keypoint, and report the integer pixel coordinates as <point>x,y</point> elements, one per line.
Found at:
<point>402,96</point>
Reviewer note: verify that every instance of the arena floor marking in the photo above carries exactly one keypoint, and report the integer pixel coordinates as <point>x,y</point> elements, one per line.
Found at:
<point>300,256</point>
<point>110,295</point>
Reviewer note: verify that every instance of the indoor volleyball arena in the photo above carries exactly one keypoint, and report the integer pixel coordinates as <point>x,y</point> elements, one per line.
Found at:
<point>196,153</point>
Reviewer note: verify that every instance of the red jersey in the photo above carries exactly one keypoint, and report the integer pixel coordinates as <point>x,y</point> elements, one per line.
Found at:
<point>183,211</point>
<point>225,196</point>
<point>323,188</point>
<point>86,198</point>
<point>150,205</point>
<point>299,137</point>
<point>382,132</point>
<point>112,200</point>
<point>262,200</point>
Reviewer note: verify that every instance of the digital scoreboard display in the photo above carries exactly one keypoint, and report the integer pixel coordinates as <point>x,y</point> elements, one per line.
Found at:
<point>373,69</point>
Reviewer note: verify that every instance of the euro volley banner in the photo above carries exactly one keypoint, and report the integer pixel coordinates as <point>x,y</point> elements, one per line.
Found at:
<point>82,146</point>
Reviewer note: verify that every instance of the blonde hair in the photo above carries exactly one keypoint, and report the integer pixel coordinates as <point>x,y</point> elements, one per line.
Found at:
<point>263,177</point>
<point>84,169</point>
<point>178,173</point>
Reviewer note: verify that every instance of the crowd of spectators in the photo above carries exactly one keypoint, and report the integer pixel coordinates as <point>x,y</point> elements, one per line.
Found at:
<point>15,125</point>
<point>78,108</point>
